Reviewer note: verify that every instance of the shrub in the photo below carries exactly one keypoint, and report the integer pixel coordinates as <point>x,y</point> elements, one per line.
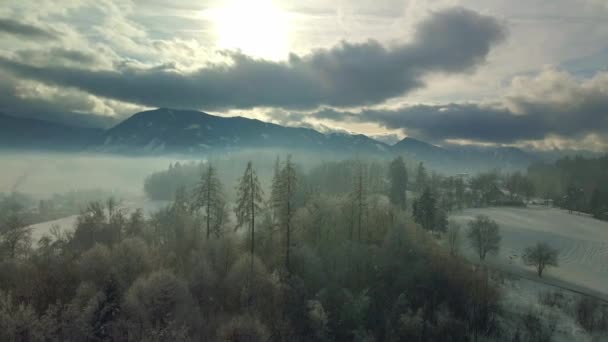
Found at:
<point>590,314</point>
<point>244,328</point>
<point>159,300</point>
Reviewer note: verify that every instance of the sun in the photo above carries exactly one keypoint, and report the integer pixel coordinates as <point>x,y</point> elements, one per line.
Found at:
<point>258,28</point>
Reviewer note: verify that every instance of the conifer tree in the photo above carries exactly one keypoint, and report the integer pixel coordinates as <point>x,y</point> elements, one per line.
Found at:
<point>398,183</point>
<point>284,189</point>
<point>249,201</point>
<point>275,193</point>
<point>208,196</point>
<point>422,178</point>
<point>359,198</point>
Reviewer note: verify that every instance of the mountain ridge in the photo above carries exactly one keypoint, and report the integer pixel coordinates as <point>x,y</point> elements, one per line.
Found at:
<point>36,134</point>
<point>190,132</point>
<point>166,130</point>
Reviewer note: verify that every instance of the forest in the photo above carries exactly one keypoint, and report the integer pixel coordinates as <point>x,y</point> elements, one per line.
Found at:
<point>577,184</point>
<point>342,250</point>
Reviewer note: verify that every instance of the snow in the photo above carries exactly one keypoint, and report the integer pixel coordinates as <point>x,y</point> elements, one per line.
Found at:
<point>41,229</point>
<point>582,242</point>
<point>522,295</point>
<point>154,145</point>
<point>193,126</point>
<point>67,223</point>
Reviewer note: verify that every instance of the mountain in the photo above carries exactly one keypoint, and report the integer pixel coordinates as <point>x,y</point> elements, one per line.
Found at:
<point>185,131</point>
<point>20,133</point>
<point>485,158</point>
<point>463,158</point>
<point>423,151</point>
<point>188,132</point>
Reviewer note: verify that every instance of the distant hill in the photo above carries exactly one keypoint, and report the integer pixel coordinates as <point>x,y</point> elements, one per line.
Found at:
<point>464,158</point>
<point>188,132</point>
<point>185,131</point>
<point>20,133</point>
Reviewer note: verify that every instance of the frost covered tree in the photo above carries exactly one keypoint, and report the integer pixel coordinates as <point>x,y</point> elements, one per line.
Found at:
<point>359,199</point>
<point>248,201</point>
<point>284,189</point>
<point>422,177</point>
<point>453,237</point>
<point>540,256</point>
<point>15,235</point>
<point>159,302</point>
<point>398,183</point>
<point>275,191</point>
<point>484,236</point>
<point>428,214</point>
<point>208,196</point>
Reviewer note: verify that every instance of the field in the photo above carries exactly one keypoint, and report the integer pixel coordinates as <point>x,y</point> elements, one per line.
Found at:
<point>39,230</point>
<point>581,240</point>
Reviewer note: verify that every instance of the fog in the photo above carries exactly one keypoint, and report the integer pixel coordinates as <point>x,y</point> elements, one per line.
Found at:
<point>334,247</point>
<point>44,174</point>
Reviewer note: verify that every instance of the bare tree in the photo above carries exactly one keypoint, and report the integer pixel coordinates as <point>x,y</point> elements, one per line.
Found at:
<point>540,256</point>
<point>484,236</point>
<point>15,235</point>
<point>454,239</point>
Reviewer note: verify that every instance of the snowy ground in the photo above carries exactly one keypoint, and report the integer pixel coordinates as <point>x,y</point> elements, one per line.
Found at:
<point>67,223</point>
<point>581,240</point>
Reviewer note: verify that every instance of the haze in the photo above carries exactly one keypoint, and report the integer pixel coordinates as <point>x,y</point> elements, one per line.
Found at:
<point>274,170</point>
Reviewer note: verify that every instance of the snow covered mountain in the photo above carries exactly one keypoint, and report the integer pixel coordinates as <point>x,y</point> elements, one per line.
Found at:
<point>185,131</point>
<point>193,133</point>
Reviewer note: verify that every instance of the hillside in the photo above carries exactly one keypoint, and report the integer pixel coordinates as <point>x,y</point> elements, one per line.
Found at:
<point>581,241</point>
<point>464,158</point>
<point>192,133</point>
<point>26,133</point>
<point>184,131</point>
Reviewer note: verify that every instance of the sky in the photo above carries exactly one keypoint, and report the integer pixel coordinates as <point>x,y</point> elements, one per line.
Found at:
<point>526,73</point>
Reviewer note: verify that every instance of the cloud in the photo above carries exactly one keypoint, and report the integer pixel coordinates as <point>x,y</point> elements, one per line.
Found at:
<point>29,99</point>
<point>20,29</point>
<point>387,138</point>
<point>550,105</point>
<point>57,56</point>
<point>453,40</point>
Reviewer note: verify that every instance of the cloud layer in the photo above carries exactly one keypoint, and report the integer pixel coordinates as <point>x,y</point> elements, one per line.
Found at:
<point>552,103</point>
<point>14,27</point>
<point>450,41</point>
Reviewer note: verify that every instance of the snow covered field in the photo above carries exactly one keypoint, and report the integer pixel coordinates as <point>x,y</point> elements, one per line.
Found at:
<point>581,240</point>
<point>67,223</point>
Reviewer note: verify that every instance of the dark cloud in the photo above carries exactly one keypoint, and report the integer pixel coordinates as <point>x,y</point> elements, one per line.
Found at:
<point>453,121</point>
<point>17,28</point>
<point>486,123</point>
<point>68,108</point>
<point>56,56</point>
<point>551,103</point>
<point>453,40</point>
